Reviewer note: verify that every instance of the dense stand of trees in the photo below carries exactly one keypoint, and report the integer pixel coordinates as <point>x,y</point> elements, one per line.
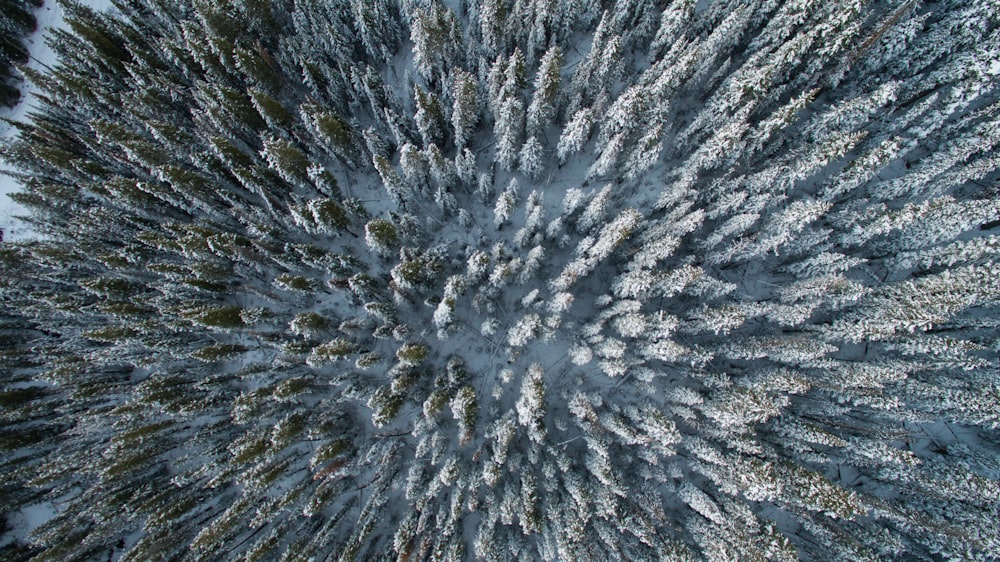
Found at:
<point>17,20</point>
<point>507,280</point>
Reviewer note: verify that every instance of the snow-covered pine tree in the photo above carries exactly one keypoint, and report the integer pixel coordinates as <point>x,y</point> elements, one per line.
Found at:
<point>465,108</point>
<point>545,99</point>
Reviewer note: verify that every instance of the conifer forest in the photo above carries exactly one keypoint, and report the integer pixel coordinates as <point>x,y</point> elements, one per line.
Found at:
<point>16,21</point>
<point>506,280</point>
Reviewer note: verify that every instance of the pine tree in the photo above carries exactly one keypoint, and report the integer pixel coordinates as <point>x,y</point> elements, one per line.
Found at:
<point>575,135</point>
<point>505,204</point>
<point>508,130</point>
<point>545,101</point>
<point>381,236</point>
<point>531,159</point>
<point>430,117</point>
<point>378,28</point>
<point>465,108</point>
<point>437,40</point>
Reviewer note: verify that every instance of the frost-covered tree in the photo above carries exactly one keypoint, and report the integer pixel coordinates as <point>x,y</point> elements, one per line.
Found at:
<point>545,99</point>
<point>575,134</point>
<point>437,41</point>
<point>505,204</point>
<point>465,108</point>
<point>532,159</point>
<point>430,117</point>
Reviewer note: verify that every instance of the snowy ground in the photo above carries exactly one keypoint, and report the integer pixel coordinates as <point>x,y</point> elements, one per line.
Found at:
<point>50,16</point>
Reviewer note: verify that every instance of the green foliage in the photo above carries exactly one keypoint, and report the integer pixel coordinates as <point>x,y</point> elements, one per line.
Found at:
<point>412,353</point>
<point>20,397</point>
<point>381,235</point>
<point>295,283</point>
<point>383,311</point>
<point>331,351</point>
<point>403,379</point>
<point>466,412</point>
<point>457,373</point>
<point>308,324</point>
<point>436,401</point>
<point>286,159</point>
<point>219,317</point>
<point>368,360</point>
<point>109,287</point>
<point>430,117</point>
<point>287,430</point>
<point>356,209</point>
<point>334,130</point>
<point>271,110</point>
<point>330,215</point>
<point>217,352</point>
<point>331,450</point>
<point>298,347</point>
<point>417,269</point>
<point>385,406</point>
<point>201,284</point>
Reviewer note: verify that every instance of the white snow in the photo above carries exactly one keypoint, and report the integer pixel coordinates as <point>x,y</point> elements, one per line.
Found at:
<point>50,16</point>
<point>26,520</point>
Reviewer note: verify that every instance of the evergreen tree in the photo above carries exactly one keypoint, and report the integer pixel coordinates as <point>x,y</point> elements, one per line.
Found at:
<point>430,117</point>
<point>378,27</point>
<point>545,101</point>
<point>465,109</point>
<point>437,40</point>
<point>576,134</point>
